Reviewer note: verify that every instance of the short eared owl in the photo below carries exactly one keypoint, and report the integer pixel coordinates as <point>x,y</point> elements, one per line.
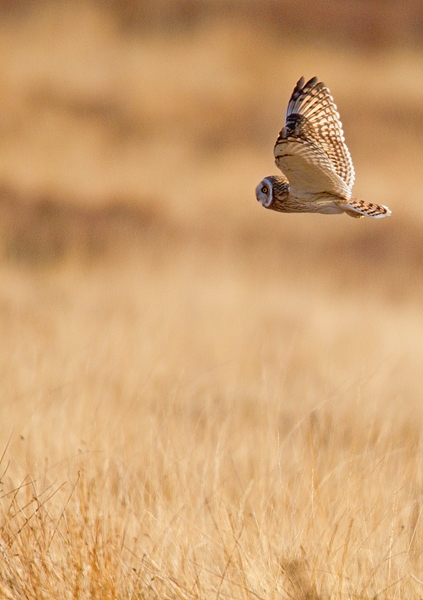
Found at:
<point>318,173</point>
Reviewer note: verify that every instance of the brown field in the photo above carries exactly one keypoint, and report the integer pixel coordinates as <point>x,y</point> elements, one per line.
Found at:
<point>201,399</point>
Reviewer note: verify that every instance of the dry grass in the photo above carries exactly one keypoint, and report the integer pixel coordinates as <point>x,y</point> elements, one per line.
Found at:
<point>201,399</point>
<point>180,429</point>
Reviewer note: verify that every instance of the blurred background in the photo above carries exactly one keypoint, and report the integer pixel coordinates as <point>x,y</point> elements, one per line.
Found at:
<point>132,137</point>
<point>119,119</point>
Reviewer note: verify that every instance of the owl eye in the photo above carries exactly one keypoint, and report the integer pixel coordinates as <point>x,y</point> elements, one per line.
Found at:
<point>264,189</point>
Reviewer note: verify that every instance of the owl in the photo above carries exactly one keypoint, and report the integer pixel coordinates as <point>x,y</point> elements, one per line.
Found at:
<point>317,170</point>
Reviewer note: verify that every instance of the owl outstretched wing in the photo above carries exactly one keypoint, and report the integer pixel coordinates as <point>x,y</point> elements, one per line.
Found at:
<point>311,149</point>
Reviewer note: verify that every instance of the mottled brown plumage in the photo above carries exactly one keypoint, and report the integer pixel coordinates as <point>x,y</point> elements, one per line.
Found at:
<point>318,173</point>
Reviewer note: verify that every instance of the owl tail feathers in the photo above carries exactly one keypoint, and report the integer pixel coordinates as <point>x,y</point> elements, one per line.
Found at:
<point>358,208</point>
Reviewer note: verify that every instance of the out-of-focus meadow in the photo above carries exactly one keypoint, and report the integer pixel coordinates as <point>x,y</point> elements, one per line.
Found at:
<point>201,398</point>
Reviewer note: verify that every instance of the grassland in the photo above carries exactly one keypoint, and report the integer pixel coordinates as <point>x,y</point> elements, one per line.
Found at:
<point>199,398</point>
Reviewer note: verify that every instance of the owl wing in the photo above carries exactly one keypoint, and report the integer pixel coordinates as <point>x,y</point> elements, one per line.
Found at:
<point>311,149</point>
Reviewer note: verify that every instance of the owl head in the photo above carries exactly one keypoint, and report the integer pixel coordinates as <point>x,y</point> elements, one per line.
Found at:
<point>272,192</point>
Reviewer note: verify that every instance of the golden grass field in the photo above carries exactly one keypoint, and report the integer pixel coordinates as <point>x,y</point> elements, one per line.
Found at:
<point>201,399</point>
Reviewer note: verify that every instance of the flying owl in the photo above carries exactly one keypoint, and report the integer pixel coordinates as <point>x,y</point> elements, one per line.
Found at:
<point>317,170</point>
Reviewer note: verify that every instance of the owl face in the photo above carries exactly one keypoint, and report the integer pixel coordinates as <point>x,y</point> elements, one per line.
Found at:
<point>264,192</point>
<point>273,192</point>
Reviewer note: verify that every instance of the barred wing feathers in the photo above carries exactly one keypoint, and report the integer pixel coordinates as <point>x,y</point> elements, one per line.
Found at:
<point>311,149</point>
